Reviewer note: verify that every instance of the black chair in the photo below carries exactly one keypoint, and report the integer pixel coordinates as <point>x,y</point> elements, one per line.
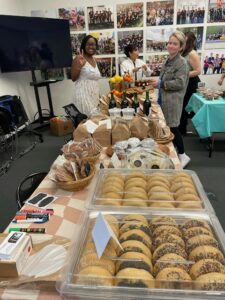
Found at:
<point>74,114</point>
<point>27,186</point>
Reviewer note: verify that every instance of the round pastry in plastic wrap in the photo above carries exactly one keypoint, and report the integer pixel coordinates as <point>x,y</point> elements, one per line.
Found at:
<point>148,143</point>
<point>133,142</point>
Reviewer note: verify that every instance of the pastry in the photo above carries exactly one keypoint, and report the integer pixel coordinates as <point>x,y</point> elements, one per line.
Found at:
<point>134,202</point>
<point>162,220</point>
<point>132,277</point>
<point>157,183</point>
<point>181,180</point>
<point>134,218</point>
<point>138,182</point>
<point>193,231</point>
<point>202,252</point>
<point>185,191</point>
<point>158,189</point>
<point>173,278</point>
<point>135,190</point>
<point>115,180</point>
<point>134,260</point>
<point>168,248</point>
<point>112,188</point>
<point>181,175</point>
<point>205,266</point>
<point>92,259</point>
<point>179,185</point>
<point>170,260</point>
<point>211,281</point>
<point>136,174</point>
<point>109,251</point>
<point>108,202</point>
<point>167,204</point>
<point>135,225</point>
<point>191,205</point>
<point>136,235</point>
<point>195,223</point>
<point>135,246</point>
<point>168,238</point>
<point>166,229</point>
<point>159,178</point>
<point>187,197</point>
<point>94,276</point>
<point>201,240</point>
<point>161,196</point>
<point>114,175</point>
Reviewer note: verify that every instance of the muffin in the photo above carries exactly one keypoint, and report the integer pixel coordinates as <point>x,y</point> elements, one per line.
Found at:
<point>135,246</point>
<point>205,266</point>
<point>170,260</point>
<point>136,235</point>
<point>132,277</point>
<point>201,240</point>
<point>94,276</point>
<point>134,260</point>
<point>168,248</point>
<point>211,281</point>
<point>202,252</point>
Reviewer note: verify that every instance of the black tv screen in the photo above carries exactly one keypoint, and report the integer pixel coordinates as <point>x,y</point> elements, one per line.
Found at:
<point>31,43</point>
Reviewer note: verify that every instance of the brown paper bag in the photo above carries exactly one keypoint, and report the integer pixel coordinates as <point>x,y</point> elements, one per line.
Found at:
<point>139,127</point>
<point>120,131</point>
<point>103,135</point>
<point>81,133</point>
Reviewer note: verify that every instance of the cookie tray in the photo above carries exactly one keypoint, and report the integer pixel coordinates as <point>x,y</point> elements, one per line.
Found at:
<point>76,286</point>
<point>95,202</point>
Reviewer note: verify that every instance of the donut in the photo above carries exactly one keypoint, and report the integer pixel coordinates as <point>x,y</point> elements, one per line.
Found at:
<point>168,238</point>
<point>134,260</point>
<point>135,246</point>
<point>94,275</point>
<point>205,266</point>
<point>211,281</point>
<point>170,260</point>
<point>168,248</point>
<point>92,259</point>
<point>201,240</point>
<point>166,229</point>
<point>136,235</point>
<point>202,252</point>
<point>133,277</point>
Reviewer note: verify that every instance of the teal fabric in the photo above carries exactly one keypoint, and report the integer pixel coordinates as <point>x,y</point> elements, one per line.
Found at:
<point>209,115</point>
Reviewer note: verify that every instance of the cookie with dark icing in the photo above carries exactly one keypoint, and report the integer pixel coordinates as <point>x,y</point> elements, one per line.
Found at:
<point>195,223</point>
<point>168,238</point>
<point>132,277</point>
<point>202,252</point>
<point>210,282</point>
<point>200,240</point>
<point>193,231</point>
<point>135,225</point>
<point>134,260</point>
<point>170,260</point>
<point>162,220</point>
<point>168,248</point>
<point>136,235</point>
<point>134,246</point>
<point>166,229</point>
<point>173,274</point>
<point>134,218</point>
<point>205,266</point>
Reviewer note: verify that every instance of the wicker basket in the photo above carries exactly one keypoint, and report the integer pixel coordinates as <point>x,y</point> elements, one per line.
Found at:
<point>92,159</point>
<point>78,185</point>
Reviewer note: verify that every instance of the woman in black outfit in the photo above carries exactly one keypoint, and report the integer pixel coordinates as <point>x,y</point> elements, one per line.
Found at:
<point>194,64</point>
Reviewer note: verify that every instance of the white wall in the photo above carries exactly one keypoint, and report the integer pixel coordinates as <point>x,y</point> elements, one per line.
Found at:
<point>18,83</point>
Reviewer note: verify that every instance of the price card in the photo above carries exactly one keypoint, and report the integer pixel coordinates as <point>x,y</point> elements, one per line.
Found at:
<point>106,122</point>
<point>115,161</point>
<point>101,235</point>
<point>91,126</point>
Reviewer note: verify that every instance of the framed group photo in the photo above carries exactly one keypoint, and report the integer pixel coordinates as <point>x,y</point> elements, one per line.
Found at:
<point>76,40</point>
<point>213,62</point>
<point>155,63</point>
<point>106,42</point>
<point>107,66</point>
<point>100,17</point>
<point>190,11</point>
<point>198,32</point>
<point>157,38</point>
<point>134,37</point>
<point>129,15</point>
<point>75,16</point>
<point>160,13</point>
<point>216,11</point>
<point>215,37</point>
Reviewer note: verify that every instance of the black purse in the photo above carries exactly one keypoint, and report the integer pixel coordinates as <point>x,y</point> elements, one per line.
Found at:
<point>74,114</point>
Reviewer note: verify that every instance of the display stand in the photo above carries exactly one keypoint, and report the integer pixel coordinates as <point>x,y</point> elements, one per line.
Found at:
<point>36,84</point>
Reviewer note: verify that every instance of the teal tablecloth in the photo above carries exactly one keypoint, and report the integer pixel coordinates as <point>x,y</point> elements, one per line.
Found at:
<point>209,115</point>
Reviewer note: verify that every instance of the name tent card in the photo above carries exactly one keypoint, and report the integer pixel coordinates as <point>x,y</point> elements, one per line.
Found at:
<point>101,235</point>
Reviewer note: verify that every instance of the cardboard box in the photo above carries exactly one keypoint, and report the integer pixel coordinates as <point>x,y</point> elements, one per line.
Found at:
<point>14,266</point>
<point>61,126</point>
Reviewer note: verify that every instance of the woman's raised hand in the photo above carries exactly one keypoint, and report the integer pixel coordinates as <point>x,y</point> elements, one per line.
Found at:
<point>81,59</point>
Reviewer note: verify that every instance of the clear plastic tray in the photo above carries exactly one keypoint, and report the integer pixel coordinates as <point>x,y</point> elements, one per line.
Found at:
<point>72,285</point>
<point>96,202</point>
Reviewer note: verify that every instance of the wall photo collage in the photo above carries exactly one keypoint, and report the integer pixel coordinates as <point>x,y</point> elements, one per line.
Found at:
<point>147,24</point>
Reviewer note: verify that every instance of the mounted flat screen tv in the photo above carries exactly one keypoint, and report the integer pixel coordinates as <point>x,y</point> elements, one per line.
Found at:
<point>32,43</point>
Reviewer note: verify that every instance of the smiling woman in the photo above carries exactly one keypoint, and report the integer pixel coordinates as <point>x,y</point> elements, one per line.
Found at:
<point>86,74</point>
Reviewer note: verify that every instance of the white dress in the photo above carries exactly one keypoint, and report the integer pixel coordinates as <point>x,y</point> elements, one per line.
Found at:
<point>86,89</point>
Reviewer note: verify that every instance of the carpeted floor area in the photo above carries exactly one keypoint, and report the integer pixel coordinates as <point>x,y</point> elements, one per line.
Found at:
<point>211,171</point>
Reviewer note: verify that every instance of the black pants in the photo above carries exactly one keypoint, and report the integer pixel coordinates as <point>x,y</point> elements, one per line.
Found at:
<point>191,88</point>
<point>178,140</point>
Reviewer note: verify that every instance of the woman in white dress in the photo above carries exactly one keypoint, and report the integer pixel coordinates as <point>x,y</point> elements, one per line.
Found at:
<point>85,74</point>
